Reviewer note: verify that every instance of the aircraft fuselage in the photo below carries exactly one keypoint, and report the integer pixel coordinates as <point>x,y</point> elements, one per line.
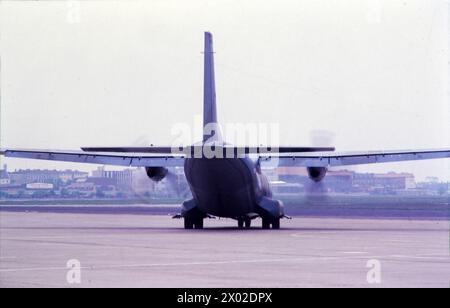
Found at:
<point>233,188</point>
<point>223,187</point>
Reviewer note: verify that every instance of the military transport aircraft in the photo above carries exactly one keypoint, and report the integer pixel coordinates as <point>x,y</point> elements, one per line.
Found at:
<point>225,180</point>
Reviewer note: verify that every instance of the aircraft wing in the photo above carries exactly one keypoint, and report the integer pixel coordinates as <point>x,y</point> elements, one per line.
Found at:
<point>332,159</point>
<point>159,156</point>
<point>116,159</point>
<point>283,156</point>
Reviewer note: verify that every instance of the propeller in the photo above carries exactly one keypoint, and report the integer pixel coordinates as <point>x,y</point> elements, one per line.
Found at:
<point>143,183</point>
<point>319,138</point>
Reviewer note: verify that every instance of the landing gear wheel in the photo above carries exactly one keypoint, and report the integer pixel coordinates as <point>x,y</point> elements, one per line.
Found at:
<point>188,224</point>
<point>248,223</point>
<point>199,224</point>
<point>276,224</point>
<point>265,224</point>
<point>240,224</point>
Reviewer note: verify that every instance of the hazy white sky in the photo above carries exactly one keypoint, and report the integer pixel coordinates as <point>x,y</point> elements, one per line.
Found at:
<point>373,72</point>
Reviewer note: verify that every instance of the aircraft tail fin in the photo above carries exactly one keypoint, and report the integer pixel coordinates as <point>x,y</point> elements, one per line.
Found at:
<point>210,124</point>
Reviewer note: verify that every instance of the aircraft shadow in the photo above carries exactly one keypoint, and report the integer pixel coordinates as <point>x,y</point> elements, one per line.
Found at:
<point>230,229</point>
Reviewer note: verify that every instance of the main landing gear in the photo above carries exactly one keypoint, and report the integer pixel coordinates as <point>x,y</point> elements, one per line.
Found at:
<point>267,223</point>
<point>190,223</point>
<point>247,223</point>
<point>197,223</point>
<point>271,222</point>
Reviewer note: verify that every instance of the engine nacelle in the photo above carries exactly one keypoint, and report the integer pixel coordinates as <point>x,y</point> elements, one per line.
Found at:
<point>317,173</point>
<point>156,173</point>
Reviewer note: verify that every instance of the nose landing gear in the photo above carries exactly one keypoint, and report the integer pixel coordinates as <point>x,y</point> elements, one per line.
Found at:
<point>246,222</point>
<point>267,223</point>
<point>190,223</point>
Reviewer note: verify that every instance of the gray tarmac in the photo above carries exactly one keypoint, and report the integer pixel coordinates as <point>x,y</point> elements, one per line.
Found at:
<point>154,251</point>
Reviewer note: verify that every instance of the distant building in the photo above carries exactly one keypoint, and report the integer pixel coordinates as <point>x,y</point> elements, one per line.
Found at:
<point>121,178</point>
<point>4,176</point>
<point>27,176</point>
<point>336,181</point>
<point>434,188</point>
<point>290,174</point>
<point>4,181</point>
<point>39,186</point>
<point>349,181</point>
<point>281,188</point>
<point>81,189</point>
<point>432,179</point>
<point>340,181</point>
<point>363,182</point>
<point>387,181</point>
<point>134,183</point>
<point>141,184</point>
<point>395,181</point>
<point>72,175</point>
<point>99,181</point>
<point>271,173</point>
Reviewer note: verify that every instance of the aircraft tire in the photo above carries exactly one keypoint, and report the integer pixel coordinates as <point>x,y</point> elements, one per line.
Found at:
<point>248,223</point>
<point>188,224</point>
<point>276,224</point>
<point>199,224</point>
<point>240,223</point>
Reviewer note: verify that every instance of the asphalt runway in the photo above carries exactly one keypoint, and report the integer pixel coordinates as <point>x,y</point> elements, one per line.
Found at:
<point>154,251</point>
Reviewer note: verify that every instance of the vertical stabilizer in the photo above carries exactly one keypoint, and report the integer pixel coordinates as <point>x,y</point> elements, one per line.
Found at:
<point>210,125</point>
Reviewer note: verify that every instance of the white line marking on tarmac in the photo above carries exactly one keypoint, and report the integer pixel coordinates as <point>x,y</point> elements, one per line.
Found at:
<point>319,234</point>
<point>320,258</point>
<point>27,238</point>
<point>354,252</point>
<point>179,264</point>
<point>71,237</point>
<point>420,257</point>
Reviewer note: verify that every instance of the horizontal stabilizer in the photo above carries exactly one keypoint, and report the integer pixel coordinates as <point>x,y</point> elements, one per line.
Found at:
<point>128,160</point>
<point>191,150</point>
